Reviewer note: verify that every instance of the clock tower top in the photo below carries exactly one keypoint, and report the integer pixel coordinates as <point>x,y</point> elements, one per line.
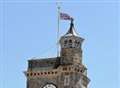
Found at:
<point>71,51</point>
<point>71,31</point>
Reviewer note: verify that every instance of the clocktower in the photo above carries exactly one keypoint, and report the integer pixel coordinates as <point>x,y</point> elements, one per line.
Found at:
<point>66,71</point>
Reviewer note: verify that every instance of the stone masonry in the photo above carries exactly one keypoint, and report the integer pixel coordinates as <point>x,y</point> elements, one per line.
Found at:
<point>66,71</point>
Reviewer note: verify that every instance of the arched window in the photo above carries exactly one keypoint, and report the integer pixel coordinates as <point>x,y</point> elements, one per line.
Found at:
<point>75,41</point>
<point>78,43</point>
<point>65,42</point>
<point>70,41</point>
<point>31,74</point>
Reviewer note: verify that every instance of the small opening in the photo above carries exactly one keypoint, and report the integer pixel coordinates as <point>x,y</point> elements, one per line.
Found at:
<point>81,71</point>
<point>75,41</point>
<point>41,73</point>
<point>52,72</point>
<point>48,72</point>
<point>75,69</point>
<point>65,42</point>
<point>65,68</point>
<point>70,45</point>
<point>34,74</point>
<point>31,74</point>
<point>69,68</point>
<point>56,72</point>
<point>70,41</point>
<point>38,73</point>
<point>27,74</point>
<point>45,73</point>
<point>78,42</point>
<point>66,73</point>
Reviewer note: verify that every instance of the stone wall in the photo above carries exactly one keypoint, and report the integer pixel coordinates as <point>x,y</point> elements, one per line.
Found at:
<point>42,64</point>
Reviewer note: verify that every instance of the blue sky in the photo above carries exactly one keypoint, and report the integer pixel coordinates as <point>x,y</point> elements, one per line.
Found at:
<point>28,29</point>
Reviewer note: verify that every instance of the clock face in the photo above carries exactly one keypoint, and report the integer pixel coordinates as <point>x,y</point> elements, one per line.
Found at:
<point>49,86</point>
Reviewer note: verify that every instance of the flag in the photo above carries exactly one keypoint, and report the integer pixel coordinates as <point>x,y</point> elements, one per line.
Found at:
<point>64,16</point>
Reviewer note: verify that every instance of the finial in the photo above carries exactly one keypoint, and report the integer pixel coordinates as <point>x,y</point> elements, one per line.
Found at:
<point>71,24</point>
<point>72,20</point>
<point>58,4</point>
<point>71,31</point>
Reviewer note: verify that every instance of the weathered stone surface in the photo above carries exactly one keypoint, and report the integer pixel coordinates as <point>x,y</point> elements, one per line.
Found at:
<point>66,71</point>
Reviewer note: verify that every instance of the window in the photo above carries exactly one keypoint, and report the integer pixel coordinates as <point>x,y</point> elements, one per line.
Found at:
<point>65,68</point>
<point>34,74</point>
<point>70,45</point>
<point>75,41</point>
<point>56,72</point>
<point>38,73</point>
<point>27,74</point>
<point>69,68</point>
<point>45,73</point>
<point>48,72</point>
<point>70,41</point>
<point>41,73</point>
<point>52,72</point>
<point>66,80</point>
<point>78,43</point>
<point>81,70</point>
<point>65,42</point>
<point>31,74</point>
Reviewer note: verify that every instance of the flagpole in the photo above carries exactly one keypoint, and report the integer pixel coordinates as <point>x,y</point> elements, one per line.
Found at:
<point>58,29</point>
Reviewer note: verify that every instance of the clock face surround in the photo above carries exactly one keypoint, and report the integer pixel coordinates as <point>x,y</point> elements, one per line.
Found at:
<point>49,86</point>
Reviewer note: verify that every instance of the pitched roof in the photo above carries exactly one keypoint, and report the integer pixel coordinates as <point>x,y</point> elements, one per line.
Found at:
<point>71,31</point>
